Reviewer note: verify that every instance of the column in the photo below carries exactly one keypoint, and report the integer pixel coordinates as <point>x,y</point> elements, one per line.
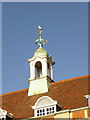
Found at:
<point>44,68</point>
<point>51,67</point>
<point>32,70</point>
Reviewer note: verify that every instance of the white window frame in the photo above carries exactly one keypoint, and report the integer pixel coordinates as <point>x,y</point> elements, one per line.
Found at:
<point>44,107</point>
<point>47,110</point>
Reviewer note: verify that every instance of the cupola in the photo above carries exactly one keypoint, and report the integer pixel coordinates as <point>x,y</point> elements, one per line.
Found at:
<point>41,69</point>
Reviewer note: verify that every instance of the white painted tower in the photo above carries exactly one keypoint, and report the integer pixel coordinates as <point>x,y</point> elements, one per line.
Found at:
<point>41,69</point>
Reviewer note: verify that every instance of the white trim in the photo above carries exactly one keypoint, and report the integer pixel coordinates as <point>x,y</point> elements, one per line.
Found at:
<point>69,110</point>
<point>79,109</point>
<point>30,79</point>
<point>34,57</point>
<point>87,96</point>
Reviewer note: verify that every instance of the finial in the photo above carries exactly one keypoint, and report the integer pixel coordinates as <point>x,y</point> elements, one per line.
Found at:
<point>40,41</point>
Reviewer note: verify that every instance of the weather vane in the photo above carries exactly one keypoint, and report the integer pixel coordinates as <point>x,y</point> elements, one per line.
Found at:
<point>40,41</point>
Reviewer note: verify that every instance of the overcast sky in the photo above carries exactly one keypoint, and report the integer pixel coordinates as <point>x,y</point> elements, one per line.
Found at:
<point>65,27</point>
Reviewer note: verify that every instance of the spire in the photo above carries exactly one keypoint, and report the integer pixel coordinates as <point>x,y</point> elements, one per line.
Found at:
<point>40,41</point>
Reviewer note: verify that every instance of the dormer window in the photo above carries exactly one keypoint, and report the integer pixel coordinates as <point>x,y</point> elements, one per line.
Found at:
<point>44,106</point>
<point>3,114</point>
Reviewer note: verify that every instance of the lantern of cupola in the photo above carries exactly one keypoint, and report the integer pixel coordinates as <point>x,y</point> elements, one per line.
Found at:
<point>41,69</point>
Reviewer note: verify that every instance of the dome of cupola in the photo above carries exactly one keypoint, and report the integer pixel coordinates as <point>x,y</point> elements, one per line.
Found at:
<point>41,52</point>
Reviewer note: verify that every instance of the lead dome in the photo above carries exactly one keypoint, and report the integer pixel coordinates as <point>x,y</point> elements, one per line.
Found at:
<point>41,52</point>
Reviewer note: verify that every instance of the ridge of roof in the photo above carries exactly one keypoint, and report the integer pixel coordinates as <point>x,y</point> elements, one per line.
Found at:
<point>70,79</point>
<point>14,92</point>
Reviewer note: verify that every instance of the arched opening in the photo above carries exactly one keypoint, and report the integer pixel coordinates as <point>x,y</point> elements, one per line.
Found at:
<point>48,70</point>
<point>38,69</point>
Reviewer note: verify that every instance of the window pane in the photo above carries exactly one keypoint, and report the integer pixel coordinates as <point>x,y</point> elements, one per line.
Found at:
<point>52,108</point>
<point>47,112</point>
<point>43,113</point>
<point>40,111</point>
<point>47,109</point>
<point>52,111</point>
<point>37,111</point>
<point>37,114</point>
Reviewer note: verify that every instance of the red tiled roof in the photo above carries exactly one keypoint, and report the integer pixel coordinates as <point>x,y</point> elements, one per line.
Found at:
<point>69,93</point>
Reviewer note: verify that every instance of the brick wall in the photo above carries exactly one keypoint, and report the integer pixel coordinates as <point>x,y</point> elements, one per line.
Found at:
<point>88,112</point>
<point>78,114</point>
